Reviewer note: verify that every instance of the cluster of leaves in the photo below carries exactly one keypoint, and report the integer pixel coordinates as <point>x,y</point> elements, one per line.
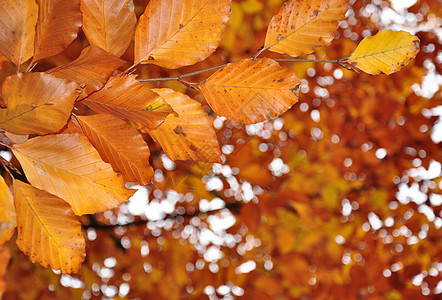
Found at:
<point>72,161</point>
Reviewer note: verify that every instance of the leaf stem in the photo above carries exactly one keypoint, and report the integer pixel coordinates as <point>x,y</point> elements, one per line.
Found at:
<point>179,78</point>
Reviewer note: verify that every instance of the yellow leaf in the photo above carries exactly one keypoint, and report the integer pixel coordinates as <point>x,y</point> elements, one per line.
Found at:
<point>127,99</point>
<point>109,24</point>
<point>7,213</point>
<point>68,166</point>
<point>92,68</point>
<point>251,91</point>
<point>37,103</point>
<point>188,136</point>
<point>302,25</point>
<point>48,231</point>
<point>120,145</point>
<point>385,53</point>
<point>173,34</point>
<point>57,26</point>
<point>17,29</point>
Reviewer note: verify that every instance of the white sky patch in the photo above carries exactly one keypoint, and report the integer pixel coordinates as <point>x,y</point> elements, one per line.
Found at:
<point>246,267</point>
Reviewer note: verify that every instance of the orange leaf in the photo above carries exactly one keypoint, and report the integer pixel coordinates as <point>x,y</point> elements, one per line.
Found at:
<point>251,91</point>
<point>68,166</point>
<point>57,27</point>
<point>7,213</point>
<point>109,24</point>
<point>188,136</point>
<point>92,68</point>
<point>173,34</point>
<point>48,231</point>
<point>120,145</point>
<point>127,99</point>
<point>302,25</point>
<point>17,29</point>
<point>37,103</point>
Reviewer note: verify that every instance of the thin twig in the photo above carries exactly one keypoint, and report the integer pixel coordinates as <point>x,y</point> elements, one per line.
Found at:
<point>177,78</point>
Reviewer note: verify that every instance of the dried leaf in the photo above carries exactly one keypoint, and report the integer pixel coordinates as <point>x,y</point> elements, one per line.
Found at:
<point>92,68</point>
<point>5,255</point>
<point>120,145</point>
<point>68,166</point>
<point>16,138</point>
<point>251,91</point>
<point>57,26</point>
<point>127,99</point>
<point>48,231</point>
<point>7,213</point>
<point>188,136</point>
<point>302,25</point>
<point>173,33</point>
<point>385,53</point>
<point>109,24</point>
<point>17,29</point>
<point>37,103</point>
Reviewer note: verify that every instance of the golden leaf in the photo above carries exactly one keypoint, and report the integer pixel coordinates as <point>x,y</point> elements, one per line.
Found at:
<point>68,166</point>
<point>48,231</point>
<point>109,24</point>
<point>385,53</point>
<point>36,103</point>
<point>128,99</point>
<point>173,33</point>
<point>7,213</point>
<point>17,29</point>
<point>92,68</point>
<point>120,145</point>
<point>57,26</point>
<point>251,91</point>
<point>188,136</point>
<point>302,25</point>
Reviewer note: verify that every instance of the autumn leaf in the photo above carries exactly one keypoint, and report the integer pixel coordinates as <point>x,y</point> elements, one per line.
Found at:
<point>251,91</point>
<point>109,24</point>
<point>36,103</point>
<point>384,53</point>
<point>120,145</point>
<point>92,68</point>
<point>17,29</point>
<point>68,166</point>
<point>48,231</point>
<point>5,255</point>
<point>7,213</point>
<point>57,26</point>
<point>128,99</point>
<point>188,136</point>
<point>302,25</point>
<point>173,33</point>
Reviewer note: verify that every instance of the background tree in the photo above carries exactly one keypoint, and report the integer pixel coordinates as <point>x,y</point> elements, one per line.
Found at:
<point>330,200</point>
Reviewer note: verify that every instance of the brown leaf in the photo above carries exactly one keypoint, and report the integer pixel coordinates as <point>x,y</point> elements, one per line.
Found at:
<point>17,29</point>
<point>120,145</point>
<point>57,26</point>
<point>37,103</point>
<point>109,24</point>
<point>127,99</point>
